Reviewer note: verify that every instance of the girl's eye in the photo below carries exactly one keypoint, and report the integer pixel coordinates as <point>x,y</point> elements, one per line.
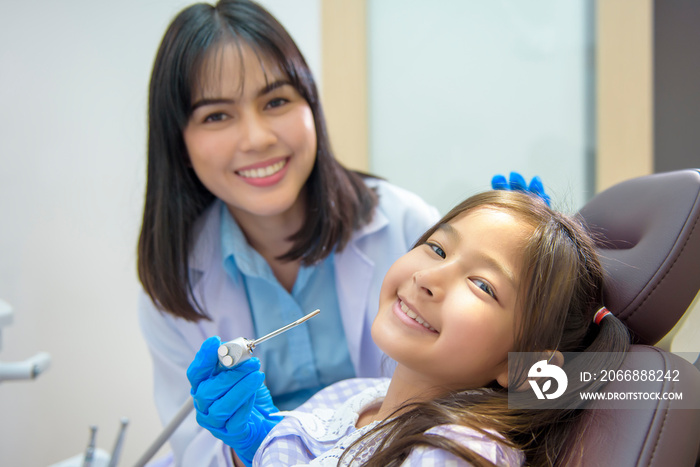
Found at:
<point>438,251</point>
<point>484,286</point>
<point>276,102</point>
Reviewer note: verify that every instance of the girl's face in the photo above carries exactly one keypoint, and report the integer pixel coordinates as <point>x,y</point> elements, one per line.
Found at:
<point>251,137</point>
<point>448,308</point>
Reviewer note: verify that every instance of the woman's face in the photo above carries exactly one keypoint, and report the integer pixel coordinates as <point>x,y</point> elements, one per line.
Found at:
<point>251,137</point>
<point>448,308</point>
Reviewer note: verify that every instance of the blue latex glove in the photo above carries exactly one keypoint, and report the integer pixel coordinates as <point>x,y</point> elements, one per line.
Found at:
<point>233,404</point>
<point>518,183</point>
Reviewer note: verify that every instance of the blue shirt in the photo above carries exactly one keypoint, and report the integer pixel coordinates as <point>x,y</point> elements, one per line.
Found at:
<point>308,357</point>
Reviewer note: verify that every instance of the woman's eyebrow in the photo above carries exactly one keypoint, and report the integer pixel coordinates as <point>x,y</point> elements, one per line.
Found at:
<point>273,85</point>
<point>211,101</point>
<point>223,100</point>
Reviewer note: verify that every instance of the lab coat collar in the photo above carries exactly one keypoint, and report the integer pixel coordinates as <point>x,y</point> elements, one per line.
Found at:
<point>354,275</point>
<point>378,222</point>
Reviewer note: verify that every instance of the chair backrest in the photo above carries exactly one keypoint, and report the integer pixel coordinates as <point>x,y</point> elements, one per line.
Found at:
<point>648,235</point>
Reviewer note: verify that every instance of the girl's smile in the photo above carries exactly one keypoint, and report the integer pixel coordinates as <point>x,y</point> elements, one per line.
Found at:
<point>406,314</point>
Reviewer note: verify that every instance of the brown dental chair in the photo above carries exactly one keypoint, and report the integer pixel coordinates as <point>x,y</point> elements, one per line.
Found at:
<point>649,230</point>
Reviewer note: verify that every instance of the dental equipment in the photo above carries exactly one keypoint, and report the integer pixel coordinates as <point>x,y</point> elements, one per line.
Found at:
<point>231,353</point>
<point>116,451</point>
<point>94,456</point>
<point>241,349</point>
<point>90,450</point>
<point>28,369</point>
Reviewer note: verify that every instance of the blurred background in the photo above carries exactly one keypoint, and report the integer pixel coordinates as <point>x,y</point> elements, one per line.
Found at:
<point>435,97</point>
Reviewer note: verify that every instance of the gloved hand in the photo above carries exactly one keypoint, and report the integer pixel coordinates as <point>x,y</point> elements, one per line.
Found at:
<point>518,183</point>
<point>233,404</point>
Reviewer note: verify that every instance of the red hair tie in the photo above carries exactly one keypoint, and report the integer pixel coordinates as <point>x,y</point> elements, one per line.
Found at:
<point>600,314</point>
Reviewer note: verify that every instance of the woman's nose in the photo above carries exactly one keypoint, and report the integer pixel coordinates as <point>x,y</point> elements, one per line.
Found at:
<point>256,133</point>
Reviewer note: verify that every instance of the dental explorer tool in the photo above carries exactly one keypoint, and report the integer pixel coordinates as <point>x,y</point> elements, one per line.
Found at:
<point>241,349</point>
<point>90,450</point>
<point>116,451</point>
<point>234,352</point>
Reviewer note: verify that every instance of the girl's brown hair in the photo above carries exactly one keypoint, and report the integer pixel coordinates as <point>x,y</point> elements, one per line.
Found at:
<point>338,201</point>
<point>560,292</point>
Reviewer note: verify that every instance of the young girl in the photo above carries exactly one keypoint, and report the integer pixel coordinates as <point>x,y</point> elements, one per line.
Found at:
<point>500,273</point>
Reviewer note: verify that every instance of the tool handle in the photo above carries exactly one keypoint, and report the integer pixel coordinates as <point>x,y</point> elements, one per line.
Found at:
<point>181,414</point>
<point>233,352</point>
<point>116,451</point>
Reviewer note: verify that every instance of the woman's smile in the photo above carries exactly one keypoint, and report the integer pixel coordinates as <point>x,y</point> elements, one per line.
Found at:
<point>264,173</point>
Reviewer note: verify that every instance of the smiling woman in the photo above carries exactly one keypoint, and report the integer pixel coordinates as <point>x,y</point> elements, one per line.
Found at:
<point>249,220</point>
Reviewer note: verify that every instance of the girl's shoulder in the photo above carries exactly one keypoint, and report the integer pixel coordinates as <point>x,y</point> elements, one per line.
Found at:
<point>491,449</point>
<point>311,433</point>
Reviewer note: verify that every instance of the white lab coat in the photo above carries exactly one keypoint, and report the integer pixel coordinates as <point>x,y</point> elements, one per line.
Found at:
<point>398,221</point>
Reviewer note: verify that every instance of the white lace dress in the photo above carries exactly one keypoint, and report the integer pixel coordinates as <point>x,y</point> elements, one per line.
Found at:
<point>320,430</point>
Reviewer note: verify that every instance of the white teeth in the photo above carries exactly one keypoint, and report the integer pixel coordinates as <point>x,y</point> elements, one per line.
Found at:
<point>411,314</point>
<point>263,171</point>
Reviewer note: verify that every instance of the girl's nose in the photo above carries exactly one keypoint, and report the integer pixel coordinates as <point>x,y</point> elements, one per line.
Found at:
<point>256,133</point>
<point>433,281</point>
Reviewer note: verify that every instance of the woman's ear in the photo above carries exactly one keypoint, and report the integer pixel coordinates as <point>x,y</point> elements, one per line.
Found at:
<point>554,357</point>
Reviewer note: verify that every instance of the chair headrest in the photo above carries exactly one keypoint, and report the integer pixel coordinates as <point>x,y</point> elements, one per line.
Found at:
<point>648,235</point>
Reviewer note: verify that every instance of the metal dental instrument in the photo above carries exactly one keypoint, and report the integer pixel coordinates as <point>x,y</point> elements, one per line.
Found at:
<point>116,451</point>
<point>231,353</point>
<point>167,432</point>
<point>90,451</point>
<point>241,349</point>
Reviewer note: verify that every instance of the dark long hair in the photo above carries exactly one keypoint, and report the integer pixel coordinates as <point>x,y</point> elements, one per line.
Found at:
<point>559,294</point>
<point>338,201</point>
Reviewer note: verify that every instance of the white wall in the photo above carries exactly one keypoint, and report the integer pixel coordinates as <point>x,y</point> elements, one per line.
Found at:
<point>463,89</point>
<point>73,90</point>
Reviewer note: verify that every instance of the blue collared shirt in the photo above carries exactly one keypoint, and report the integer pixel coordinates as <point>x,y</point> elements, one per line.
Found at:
<point>309,357</point>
